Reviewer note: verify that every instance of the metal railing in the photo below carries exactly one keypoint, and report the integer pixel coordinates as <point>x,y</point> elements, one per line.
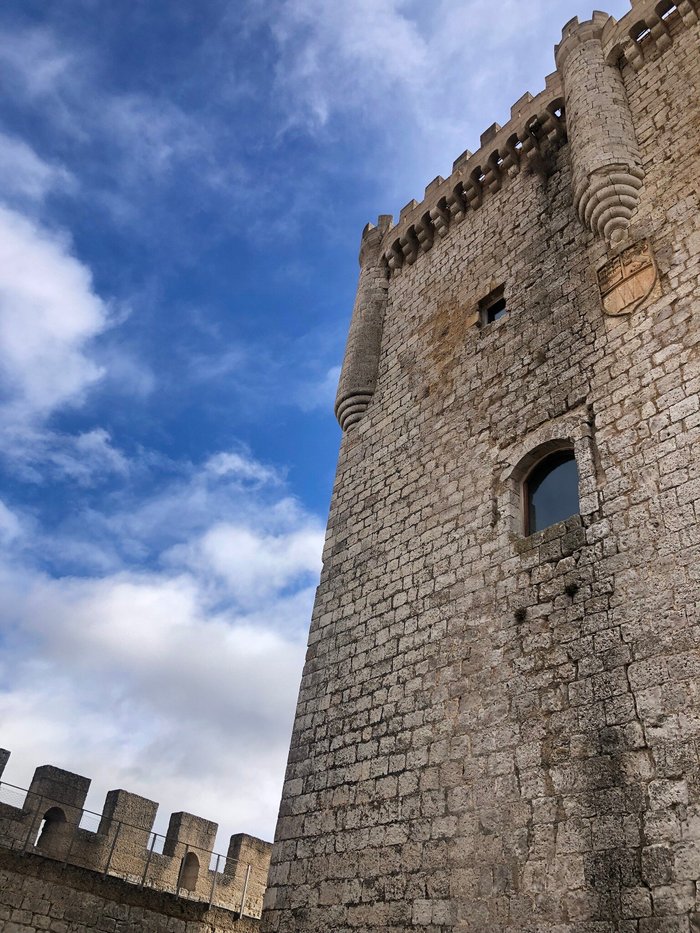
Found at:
<point>75,836</point>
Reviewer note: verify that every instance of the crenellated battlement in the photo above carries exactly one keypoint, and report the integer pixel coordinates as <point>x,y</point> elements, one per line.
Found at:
<point>49,819</point>
<point>525,144</point>
<point>536,129</point>
<point>647,30</point>
<point>583,107</point>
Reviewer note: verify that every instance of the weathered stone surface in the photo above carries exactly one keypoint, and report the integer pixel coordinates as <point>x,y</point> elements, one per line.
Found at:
<point>497,732</point>
<point>40,894</point>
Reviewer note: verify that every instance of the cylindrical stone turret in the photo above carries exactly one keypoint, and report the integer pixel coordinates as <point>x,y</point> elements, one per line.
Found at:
<point>358,377</point>
<point>607,169</point>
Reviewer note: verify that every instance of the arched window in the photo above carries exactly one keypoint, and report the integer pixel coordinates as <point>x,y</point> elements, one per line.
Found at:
<point>550,491</point>
<point>189,872</point>
<point>51,829</point>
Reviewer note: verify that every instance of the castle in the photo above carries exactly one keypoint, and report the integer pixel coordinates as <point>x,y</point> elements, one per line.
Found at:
<point>498,727</point>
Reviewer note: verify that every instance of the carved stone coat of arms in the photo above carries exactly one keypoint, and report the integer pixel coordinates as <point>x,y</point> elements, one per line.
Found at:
<point>627,280</point>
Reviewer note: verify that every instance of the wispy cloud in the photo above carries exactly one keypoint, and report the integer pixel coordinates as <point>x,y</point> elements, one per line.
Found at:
<point>420,81</point>
<point>144,139</point>
<point>38,455</point>
<point>329,62</point>
<point>319,394</point>
<point>25,177</point>
<point>10,525</point>
<point>238,465</point>
<point>33,63</point>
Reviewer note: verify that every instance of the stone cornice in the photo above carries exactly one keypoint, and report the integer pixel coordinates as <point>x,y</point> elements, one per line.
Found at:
<point>647,30</point>
<point>537,127</point>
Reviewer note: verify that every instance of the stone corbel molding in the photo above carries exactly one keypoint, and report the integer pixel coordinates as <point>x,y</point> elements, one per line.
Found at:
<point>606,163</point>
<point>648,29</point>
<point>537,128</point>
<point>608,174</point>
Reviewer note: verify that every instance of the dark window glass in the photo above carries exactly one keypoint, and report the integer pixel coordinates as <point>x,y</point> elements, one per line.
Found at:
<point>493,306</point>
<point>496,311</point>
<point>551,491</point>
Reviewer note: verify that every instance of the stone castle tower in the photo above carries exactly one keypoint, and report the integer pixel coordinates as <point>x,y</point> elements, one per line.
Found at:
<point>499,721</point>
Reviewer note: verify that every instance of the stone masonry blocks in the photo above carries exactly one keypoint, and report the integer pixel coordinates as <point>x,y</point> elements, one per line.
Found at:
<point>497,732</point>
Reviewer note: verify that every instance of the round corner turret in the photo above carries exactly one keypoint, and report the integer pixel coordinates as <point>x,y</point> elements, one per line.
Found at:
<point>576,32</point>
<point>605,158</point>
<point>358,376</point>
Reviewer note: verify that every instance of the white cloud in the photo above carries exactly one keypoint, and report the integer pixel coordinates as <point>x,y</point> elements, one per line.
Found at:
<point>239,465</point>
<point>178,680</point>
<point>254,565</point>
<point>134,681</point>
<point>229,487</point>
<point>49,313</point>
<point>25,176</point>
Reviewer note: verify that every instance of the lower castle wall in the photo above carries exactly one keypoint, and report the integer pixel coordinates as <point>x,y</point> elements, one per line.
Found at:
<point>39,894</point>
<point>181,864</point>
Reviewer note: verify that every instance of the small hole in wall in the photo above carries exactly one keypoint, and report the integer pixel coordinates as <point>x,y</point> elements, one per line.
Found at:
<point>53,821</point>
<point>571,589</point>
<point>520,614</point>
<point>189,872</point>
<point>533,126</point>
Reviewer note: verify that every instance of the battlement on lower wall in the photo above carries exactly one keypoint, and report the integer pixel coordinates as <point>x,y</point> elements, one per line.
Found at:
<point>49,819</point>
<point>39,894</point>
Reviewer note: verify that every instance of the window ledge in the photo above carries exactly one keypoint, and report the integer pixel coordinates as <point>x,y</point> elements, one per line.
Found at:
<point>571,529</point>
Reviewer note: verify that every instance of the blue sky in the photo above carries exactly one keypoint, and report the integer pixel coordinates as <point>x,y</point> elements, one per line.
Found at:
<point>182,190</point>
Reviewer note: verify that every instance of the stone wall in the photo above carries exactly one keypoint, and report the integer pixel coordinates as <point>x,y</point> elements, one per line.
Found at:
<point>39,894</point>
<point>498,731</point>
<point>48,820</point>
